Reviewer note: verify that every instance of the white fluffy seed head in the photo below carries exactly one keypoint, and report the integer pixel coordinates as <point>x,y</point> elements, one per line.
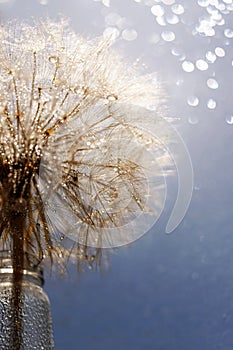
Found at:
<point>73,146</point>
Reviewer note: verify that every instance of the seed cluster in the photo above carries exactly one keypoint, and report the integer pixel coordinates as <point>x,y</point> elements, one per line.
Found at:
<point>72,158</point>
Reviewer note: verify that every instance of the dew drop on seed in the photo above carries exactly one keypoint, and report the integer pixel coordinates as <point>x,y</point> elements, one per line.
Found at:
<point>112,98</point>
<point>53,59</point>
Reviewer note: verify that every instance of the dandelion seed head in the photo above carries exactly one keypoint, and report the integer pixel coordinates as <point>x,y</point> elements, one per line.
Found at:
<point>75,154</point>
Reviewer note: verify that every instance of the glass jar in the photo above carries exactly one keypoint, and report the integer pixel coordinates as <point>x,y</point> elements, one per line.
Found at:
<point>33,310</point>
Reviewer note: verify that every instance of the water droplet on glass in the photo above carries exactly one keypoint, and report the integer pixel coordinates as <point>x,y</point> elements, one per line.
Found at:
<point>229,119</point>
<point>193,120</point>
<point>178,9</point>
<point>193,101</point>
<point>202,65</point>
<point>211,57</point>
<point>219,51</point>
<point>188,66</point>
<point>212,83</point>
<point>129,34</point>
<point>211,104</point>
<point>157,10</point>
<point>168,35</point>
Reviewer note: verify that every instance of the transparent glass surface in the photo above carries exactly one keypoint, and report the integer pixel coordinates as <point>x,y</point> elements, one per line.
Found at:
<point>36,318</point>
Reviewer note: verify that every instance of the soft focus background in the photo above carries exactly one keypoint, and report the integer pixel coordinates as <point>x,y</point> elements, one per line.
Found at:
<point>163,292</point>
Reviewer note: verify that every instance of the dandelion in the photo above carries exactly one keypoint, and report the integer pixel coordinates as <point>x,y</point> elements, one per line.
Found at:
<point>74,153</point>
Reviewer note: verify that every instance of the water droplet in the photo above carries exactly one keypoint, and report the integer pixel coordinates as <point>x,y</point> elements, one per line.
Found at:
<point>53,59</point>
<point>112,97</point>
<point>202,65</point>
<point>228,33</point>
<point>193,101</point>
<point>229,119</point>
<point>106,3</point>
<point>219,51</point>
<point>211,57</point>
<point>161,21</point>
<point>188,66</point>
<point>178,9</point>
<point>168,2</point>
<point>172,19</point>
<point>43,2</point>
<point>203,3</point>
<point>177,51</point>
<point>193,120</point>
<point>168,36</point>
<point>211,104</point>
<point>129,34</point>
<point>205,28</point>
<point>212,83</point>
<point>157,10</point>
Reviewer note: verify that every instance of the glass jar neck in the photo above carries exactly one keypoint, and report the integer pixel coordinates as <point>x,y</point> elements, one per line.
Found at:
<point>31,272</point>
